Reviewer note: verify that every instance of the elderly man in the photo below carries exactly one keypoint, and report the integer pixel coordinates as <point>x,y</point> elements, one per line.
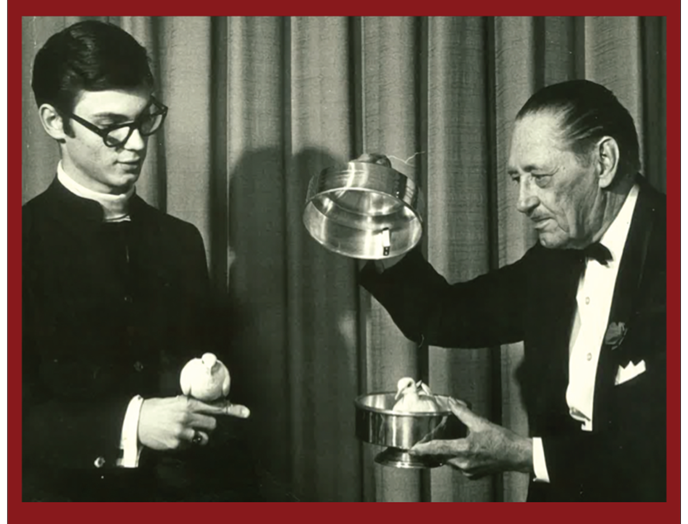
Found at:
<point>116,295</point>
<point>588,300</point>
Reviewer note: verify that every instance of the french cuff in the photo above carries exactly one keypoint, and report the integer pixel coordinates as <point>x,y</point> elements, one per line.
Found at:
<point>539,464</point>
<point>129,443</point>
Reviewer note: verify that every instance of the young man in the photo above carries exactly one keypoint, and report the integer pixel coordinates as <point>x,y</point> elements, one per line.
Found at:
<point>116,295</point>
<point>589,302</point>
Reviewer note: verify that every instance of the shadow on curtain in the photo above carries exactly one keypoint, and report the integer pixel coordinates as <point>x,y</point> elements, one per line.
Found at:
<point>259,105</point>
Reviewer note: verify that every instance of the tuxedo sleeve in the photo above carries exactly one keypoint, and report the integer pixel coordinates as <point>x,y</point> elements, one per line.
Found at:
<point>481,312</point>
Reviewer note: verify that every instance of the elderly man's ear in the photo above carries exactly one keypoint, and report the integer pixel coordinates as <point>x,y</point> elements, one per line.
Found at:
<point>52,121</point>
<point>607,159</point>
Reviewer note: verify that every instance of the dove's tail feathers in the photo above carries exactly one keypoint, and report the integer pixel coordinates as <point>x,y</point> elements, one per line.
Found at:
<point>425,388</point>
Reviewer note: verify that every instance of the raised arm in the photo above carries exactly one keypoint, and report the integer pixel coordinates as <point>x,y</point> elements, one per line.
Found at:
<point>481,312</point>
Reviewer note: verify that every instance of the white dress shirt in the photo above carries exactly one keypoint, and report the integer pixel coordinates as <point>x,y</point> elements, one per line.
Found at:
<point>115,209</point>
<point>594,301</point>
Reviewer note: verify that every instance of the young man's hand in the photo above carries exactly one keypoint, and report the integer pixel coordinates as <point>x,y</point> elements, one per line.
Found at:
<point>173,422</point>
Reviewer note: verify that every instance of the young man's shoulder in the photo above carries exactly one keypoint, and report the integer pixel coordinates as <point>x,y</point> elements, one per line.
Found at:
<point>163,219</point>
<point>36,209</point>
<point>37,203</point>
<point>44,207</point>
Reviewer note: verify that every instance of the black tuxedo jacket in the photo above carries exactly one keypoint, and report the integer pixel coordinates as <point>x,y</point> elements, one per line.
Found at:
<point>533,300</point>
<point>109,311</point>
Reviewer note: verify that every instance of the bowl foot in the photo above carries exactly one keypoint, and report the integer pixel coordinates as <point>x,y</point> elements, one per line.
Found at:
<point>399,458</point>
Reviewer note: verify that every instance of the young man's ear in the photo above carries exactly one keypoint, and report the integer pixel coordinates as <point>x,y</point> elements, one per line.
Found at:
<point>52,122</point>
<point>607,161</point>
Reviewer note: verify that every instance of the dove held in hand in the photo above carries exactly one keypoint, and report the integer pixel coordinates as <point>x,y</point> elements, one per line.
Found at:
<point>205,378</point>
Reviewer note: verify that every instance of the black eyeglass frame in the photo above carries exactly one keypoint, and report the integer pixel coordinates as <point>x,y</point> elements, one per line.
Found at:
<point>103,132</point>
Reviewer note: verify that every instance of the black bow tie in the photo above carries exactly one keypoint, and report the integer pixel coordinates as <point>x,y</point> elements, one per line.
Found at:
<point>598,252</point>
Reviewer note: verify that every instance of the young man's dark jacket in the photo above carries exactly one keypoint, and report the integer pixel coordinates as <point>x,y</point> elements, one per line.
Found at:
<point>534,300</point>
<point>110,310</point>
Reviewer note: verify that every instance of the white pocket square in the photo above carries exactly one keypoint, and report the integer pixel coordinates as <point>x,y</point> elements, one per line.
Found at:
<point>624,374</point>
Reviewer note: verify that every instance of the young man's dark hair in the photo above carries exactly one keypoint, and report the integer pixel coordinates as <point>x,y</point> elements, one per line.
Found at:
<point>88,56</point>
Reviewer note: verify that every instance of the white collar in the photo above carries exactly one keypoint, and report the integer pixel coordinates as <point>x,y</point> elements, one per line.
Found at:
<point>115,207</point>
<point>614,238</point>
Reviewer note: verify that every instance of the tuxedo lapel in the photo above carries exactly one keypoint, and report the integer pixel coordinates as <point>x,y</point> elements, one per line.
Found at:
<point>633,261</point>
<point>556,280</point>
<point>625,299</point>
<point>563,306</point>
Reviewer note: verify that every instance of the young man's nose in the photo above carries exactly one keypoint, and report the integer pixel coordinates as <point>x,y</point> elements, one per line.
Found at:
<point>527,201</point>
<point>136,142</point>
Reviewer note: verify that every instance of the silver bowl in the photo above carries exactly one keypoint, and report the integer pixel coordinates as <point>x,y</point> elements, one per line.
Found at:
<point>365,209</point>
<point>377,423</point>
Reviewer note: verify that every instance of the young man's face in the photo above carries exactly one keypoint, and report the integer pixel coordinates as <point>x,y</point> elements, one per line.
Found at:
<point>562,197</point>
<point>87,159</point>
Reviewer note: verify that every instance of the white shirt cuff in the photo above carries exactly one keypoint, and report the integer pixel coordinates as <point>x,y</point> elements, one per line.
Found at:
<point>129,443</point>
<point>539,464</point>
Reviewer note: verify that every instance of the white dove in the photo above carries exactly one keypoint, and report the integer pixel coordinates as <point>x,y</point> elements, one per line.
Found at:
<point>413,400</point>
<point>205,378</point>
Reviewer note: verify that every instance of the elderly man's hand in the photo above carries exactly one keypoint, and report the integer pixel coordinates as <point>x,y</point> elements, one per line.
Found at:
<point>488,448</point>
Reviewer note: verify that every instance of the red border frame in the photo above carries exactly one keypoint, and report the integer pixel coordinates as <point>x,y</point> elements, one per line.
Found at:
<point>116,512</point>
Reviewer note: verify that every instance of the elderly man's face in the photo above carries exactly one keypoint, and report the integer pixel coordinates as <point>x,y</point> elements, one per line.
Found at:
<point>562,197</point>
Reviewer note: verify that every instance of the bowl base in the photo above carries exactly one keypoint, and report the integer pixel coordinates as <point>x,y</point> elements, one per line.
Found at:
<point>399,458</point>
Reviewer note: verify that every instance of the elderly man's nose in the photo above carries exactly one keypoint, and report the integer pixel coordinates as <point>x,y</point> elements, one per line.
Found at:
<point>527,201</point>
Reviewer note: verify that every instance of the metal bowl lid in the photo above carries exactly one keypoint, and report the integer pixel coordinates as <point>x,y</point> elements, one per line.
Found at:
<point>365,209</point>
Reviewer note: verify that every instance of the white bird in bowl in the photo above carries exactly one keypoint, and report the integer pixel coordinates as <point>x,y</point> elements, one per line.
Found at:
<point>205,378</point>
<point>415,397</point>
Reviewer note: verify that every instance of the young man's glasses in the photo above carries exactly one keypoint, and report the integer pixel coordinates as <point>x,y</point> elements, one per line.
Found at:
<point>116,135</point>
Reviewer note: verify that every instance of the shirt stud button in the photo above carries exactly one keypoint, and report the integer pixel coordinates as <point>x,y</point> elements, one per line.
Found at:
<point>587,300</point>
<point>588,356</point>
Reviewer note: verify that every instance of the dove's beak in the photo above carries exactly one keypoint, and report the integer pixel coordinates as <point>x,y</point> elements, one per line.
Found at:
<point>396,397</point>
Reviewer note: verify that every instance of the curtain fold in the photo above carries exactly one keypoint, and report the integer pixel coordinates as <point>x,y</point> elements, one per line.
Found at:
<point>255,125</point>
<point>322,341</point>
<point>458,234</point>
<point>258,105</point>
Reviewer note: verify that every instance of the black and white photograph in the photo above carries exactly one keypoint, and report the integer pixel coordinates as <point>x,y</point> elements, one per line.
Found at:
<point>344,259</point>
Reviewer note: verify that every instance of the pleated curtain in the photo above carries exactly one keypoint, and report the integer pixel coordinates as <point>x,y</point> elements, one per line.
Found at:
<point>258,105</point>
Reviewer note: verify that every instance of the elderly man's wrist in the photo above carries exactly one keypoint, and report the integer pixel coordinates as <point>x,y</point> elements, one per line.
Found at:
<point>524,458</point>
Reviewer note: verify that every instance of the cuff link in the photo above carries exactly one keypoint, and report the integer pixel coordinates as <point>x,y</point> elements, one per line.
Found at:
<point>99,462</point>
